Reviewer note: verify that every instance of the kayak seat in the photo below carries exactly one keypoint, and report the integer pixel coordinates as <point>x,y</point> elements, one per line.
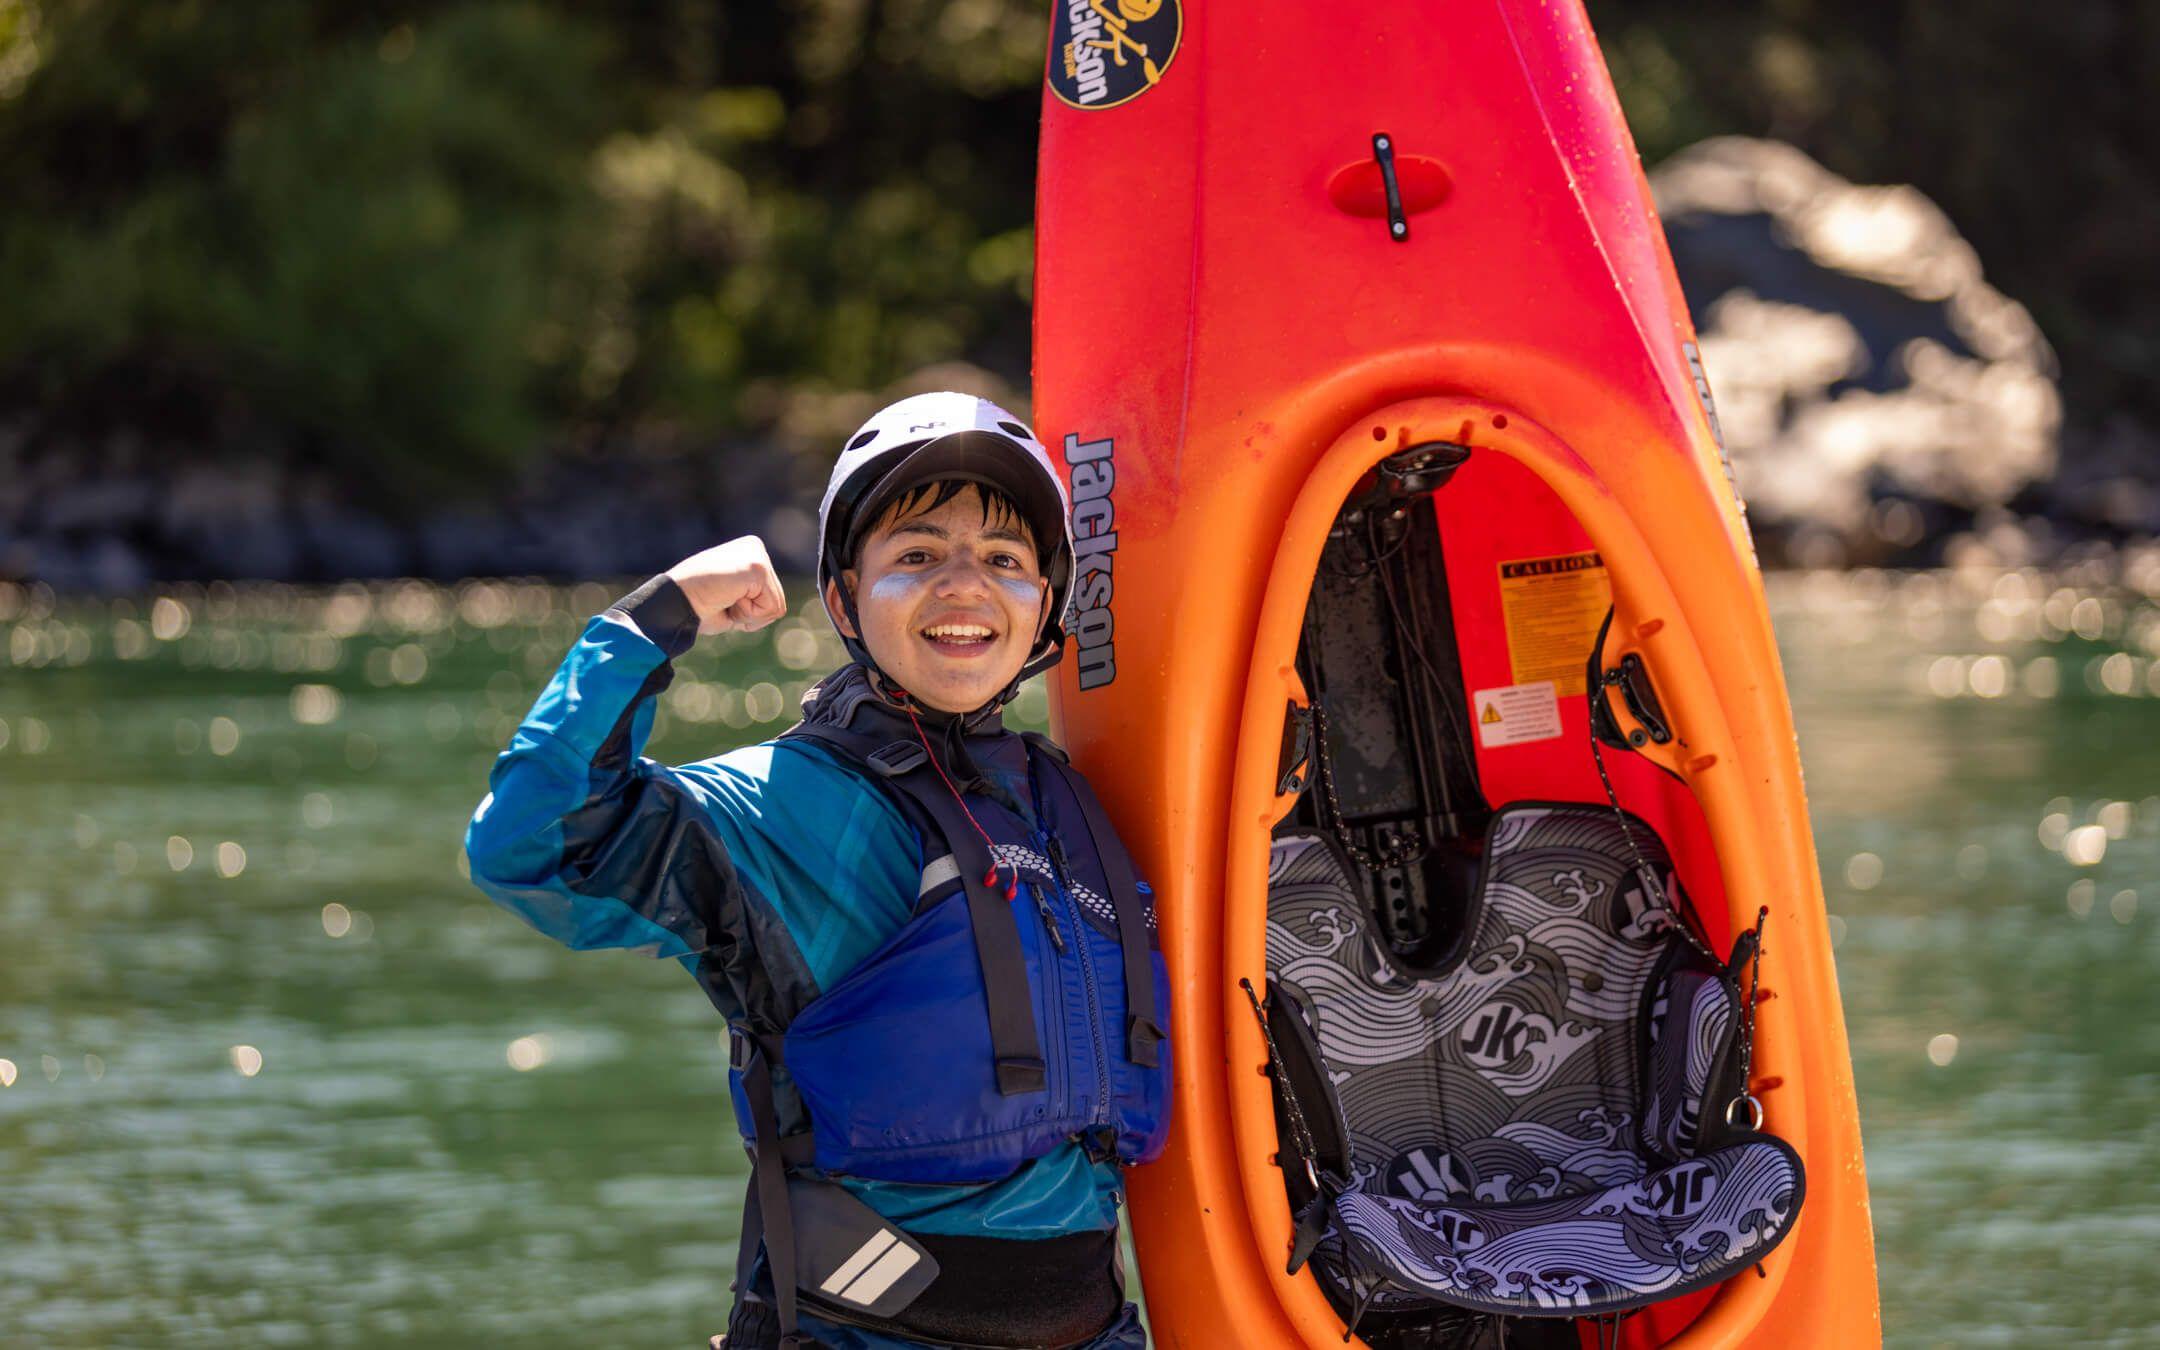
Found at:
<point>1550,1122</point>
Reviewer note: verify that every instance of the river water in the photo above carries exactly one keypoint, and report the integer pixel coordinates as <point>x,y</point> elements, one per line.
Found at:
<point>272,1073</point>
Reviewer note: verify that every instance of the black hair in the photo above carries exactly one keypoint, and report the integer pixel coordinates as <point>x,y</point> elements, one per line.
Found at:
<point>998,508</point>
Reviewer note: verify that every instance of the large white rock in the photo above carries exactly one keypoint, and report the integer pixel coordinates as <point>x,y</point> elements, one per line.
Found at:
<point>1860,361</point>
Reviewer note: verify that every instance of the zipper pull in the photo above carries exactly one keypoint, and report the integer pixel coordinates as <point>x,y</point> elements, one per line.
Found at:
<point>1058,860</point>
<point>1049,919</point>
<point>1056,849</point>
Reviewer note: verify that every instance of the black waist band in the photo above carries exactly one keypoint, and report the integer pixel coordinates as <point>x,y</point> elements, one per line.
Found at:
<point>997,1292</point>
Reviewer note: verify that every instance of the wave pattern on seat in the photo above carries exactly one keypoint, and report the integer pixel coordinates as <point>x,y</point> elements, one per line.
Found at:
<point>1675,1230</point>
<point>1501,1155</point>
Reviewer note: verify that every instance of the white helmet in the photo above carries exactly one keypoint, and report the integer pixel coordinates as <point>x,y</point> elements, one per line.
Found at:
<point>929,438</point>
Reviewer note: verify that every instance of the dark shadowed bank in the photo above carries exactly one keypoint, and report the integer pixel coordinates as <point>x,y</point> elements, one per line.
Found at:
<point>317,290</point>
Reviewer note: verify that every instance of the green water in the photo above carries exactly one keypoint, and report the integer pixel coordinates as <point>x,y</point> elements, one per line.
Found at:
<point>275,1075</point>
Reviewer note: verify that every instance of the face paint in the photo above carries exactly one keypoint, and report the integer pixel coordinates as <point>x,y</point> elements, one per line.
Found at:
<point>1022,590</point>
<point>896,588</point>
<point>950,572</point>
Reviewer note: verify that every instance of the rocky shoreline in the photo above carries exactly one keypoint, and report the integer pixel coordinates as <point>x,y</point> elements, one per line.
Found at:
<point>1881,402</point>
<point>81,528</point>
<point>80,524</point>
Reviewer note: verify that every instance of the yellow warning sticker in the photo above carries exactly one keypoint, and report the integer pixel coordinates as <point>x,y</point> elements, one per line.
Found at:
<point>1552,608</point>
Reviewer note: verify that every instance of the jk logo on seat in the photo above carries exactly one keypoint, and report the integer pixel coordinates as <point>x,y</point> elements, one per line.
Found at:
<point>1681,1192</point>
<point>1499,1034</point>
<point>1428,1174</point>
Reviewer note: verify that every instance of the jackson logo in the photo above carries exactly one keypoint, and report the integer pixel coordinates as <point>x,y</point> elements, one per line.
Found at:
<point>1690,1119</point>
<point>1693,354</point>
<point>1701,377</point>
<point>1640,913</point>
<point>1094,522</point>
<point>1107,52</point>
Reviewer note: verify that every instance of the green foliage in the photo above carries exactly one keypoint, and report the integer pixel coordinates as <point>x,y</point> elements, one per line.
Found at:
<point>249,223</point>
<point>417,246</point>
<point>843,193</point>
<point>417,241</point>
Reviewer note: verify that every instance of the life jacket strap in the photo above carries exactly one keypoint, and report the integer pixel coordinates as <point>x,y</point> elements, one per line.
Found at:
<point>1143,1022</point>
<point>1013,1043</point>
<point>768,1214</point>
<point>907,767</point>
<point>897,759</point>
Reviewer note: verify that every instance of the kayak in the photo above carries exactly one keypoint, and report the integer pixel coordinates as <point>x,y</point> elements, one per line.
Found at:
<point>1357,336</point>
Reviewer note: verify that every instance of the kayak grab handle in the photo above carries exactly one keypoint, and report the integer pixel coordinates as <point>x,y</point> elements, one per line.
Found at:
<point>1391,185</point>
<point>1383,150</point>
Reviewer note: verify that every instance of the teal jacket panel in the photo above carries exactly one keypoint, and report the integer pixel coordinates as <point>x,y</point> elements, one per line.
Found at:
<point>769,872</point>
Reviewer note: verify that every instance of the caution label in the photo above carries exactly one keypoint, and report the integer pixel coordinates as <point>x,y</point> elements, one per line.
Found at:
<point>1552,608</point>
<point>1515,713</point>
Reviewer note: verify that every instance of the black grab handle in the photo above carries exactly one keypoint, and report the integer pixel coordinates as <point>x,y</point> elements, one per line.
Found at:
<point>1383,149</point>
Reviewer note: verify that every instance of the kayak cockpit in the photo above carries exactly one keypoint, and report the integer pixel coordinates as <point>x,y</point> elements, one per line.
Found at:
<point>1510,1068</point>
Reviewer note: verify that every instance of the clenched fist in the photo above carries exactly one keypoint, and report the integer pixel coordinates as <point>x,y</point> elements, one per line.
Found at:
<point>732,586</point>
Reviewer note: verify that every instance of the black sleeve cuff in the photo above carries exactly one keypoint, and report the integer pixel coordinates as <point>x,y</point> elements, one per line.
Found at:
<point>662,613</point>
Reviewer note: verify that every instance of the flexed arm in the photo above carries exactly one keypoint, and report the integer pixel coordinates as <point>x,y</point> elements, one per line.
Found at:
<point>580,835</point>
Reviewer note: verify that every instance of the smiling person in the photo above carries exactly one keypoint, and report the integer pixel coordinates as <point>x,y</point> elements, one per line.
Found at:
<point>945,1004</point>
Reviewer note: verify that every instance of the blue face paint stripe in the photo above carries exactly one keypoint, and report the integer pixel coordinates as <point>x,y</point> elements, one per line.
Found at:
<point>896,587</point>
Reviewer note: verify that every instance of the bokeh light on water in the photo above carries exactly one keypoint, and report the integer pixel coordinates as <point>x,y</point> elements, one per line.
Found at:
<point>271,1073</point>
<point>1983,761</point>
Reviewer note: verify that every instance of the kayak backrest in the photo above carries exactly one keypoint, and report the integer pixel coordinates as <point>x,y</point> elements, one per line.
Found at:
<point>1530,1068</point>
<point>1522,1065</point>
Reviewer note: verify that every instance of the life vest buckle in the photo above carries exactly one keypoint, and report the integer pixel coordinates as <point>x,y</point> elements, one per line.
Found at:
<point>1142,1037</point>
<point>1020,1073</point>
<point>897,758</point>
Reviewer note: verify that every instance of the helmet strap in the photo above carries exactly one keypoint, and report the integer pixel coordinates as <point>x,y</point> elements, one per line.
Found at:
<point>860,651</point>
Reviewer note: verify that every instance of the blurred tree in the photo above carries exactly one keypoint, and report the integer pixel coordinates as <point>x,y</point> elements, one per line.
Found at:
<point>417,241</point>
<point>842,192</point>
<point>275,229</point>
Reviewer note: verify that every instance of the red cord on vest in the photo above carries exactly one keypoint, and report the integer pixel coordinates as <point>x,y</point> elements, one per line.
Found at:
<point>1012,888</point>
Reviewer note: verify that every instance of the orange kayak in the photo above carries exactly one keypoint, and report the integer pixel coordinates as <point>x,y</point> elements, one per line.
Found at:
<point>1280,248</point>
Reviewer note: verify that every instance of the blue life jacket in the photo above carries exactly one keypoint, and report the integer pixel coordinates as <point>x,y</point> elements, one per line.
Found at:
<point>1023,1005</point>
<point>1002,1019</point>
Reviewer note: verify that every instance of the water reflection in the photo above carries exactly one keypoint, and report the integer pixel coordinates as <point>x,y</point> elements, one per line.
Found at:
<point>1990,740</point>
<point>274,1074</point>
